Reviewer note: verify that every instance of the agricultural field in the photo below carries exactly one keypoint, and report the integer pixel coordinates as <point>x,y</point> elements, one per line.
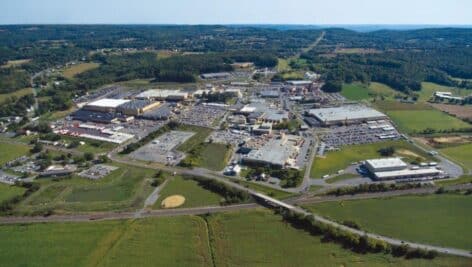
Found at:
<point>15,63</point>
<point>124,188</point>
<point>441,220</point>
<point>459,111</point>
<point>461,154</point>
<point>73,70</point>
<point>260,238</point>
<point>359,91</point>
<point>339,160</point>
<point>195,195</point>
<point>173,241</point>
<point>8,192</point>
<point>9,151</point>
<point>18,93</point>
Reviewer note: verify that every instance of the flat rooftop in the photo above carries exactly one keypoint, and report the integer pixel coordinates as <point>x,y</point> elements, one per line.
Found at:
<point>406,173</point>
<point>108,103</point>
<point>350,112</point>
<point>161,93</point>
<point>386,163</point>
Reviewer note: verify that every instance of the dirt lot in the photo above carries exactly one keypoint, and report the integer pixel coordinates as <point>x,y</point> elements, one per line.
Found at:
<point>462,112</point>
<point>443,141</point>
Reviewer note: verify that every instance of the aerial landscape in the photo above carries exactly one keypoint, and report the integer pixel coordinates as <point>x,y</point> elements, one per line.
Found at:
<point>276,133</point>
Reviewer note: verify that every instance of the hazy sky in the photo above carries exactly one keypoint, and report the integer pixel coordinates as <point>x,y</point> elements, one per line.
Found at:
<point>237,11</point>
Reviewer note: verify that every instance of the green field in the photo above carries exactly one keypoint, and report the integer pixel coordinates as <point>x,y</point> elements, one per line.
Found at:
<point>8,192</point>
<point>91,146</point>
<point>125,188</point>
<point>342,177</point>
<point>279,194</point>
<point>428,89</point>
<point>255,238</point>
<point>461,154</point>
<point>18,93</point>
<point>339,160</point>
<point>214,156</point>
<point>10,151</point>
<point>415,121</point>
<point>73,70</point>
<point>195,195</point>
<point>460,180</point>
<point>199,137</point>
<point>176,241</point>
<point>355,91</point>
<point>442,220</point>
<point>262,239</point>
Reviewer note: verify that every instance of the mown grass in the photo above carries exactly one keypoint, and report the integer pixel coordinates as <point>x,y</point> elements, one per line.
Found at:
<point>461,180</point>
<point>260,238</point>
<point>10,151</point>
<point>442,220</point>
<point>90,146</point>
<point>195,195</point>
<point>201,133</point>
<point>278,194</point>
<point>428,89</point>
<point>461,154</point>
<point>359,91</point>
<point>339,160</point>
<point>73,70</point>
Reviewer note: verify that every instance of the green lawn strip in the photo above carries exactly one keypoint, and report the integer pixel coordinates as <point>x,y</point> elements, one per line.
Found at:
<point>441,220</point>
<point>342,177</point>
<point>91,146</point>
<point>461,154</point>
<point>211,156</point>
<point>260,238</point>
<point>10,151</point>
<point>460,180</point>
<point>339,160</point>
<point>195,195</point>
<point>8,192</point>
<point>199,137</point>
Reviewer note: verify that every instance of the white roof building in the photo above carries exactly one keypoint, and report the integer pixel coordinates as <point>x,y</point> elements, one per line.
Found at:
<point>107,103</point>
<point>346,114</point>
<point>386,164</point>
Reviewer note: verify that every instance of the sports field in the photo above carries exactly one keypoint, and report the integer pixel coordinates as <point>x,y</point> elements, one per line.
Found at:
<point>73,70</point>
<point>461,154</point>
<point>442,220</point>
<point>195,195</point>
<point>10,151</point>
<point>255,238</point>
<point>339,160</point>
<point>124,188</point>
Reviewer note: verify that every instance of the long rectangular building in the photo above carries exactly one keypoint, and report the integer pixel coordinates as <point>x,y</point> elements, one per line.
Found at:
<point>349,114</point>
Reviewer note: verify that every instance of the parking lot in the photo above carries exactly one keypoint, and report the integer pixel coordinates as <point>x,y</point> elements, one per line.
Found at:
<point>228,137</point>
<point>97,171</point>
<point>200,115</point>
<point>163,148</point>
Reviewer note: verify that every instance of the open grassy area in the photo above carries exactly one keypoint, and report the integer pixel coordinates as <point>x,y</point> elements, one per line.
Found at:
<point>342,177</point>
<point>428,89</point>
<point>416,121</point>
<point>73,70</point>
<point>278,194</point>
<point>195,195</point>
<point>173,241</point>
<point>339,160</point>
<point>91,146</point>
<point>355,91</point>
<point>125,188</point>
<point>214,156</point>
<point>260,238</point>
<point>442,220</point>
<point>18,93</point>
<point>460,180</point>
<point>199,137</point>
<point>15,63</point>
<point>380,89</point>
<point>8,191</point>
<point>9,151</point>
<point>282,65</point>
<point>462,154</point>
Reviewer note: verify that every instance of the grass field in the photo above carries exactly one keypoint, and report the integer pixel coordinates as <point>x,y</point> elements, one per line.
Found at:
<point>73,70</point>
<point>339,160</point>
<point>91,146</point>
<point>256,238</point>
<point>195,195</point>
<point>278,194</point>
<point>10,151</point>
<point>15,63</point>
<point>199,137</point>
<point>442,220</point>
<point>214,156</point>
<point>428,89</point>
<point>461,154</point>
<point>355,91</point>
<point>261,239</point>
<point>18,93</point>
<point>7,191</point>
<point>460,180</point>
<point>416,121</point>
<point>124,188</point>
<point>282,65</point>
<point>342,177</point>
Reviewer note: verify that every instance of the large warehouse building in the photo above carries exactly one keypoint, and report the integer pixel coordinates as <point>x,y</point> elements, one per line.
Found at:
<point>395,168</point>
<point>137,107</point>
<point>162,94</point>
<point>105,105</point>
<point>349,114</point>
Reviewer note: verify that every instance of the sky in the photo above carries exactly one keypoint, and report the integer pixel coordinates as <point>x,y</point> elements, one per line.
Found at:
<point>319,12</point>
